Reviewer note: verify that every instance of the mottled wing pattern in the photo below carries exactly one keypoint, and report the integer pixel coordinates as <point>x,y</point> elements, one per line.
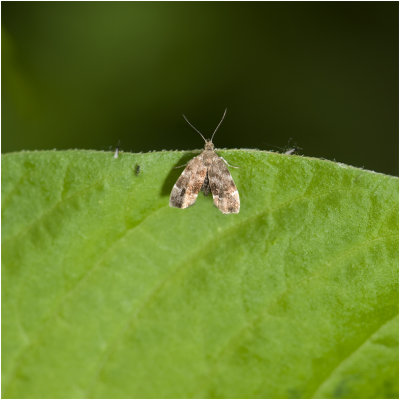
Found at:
<point>224,191</point>
<point>185,191</point>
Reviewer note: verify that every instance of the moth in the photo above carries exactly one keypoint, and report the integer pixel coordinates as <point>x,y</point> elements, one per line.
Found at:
<point>208,173</point>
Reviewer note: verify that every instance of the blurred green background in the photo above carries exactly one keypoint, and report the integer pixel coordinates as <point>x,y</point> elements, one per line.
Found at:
<point>90,74</point>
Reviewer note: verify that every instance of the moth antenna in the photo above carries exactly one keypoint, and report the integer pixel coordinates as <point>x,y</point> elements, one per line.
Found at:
<point>184,117</point>
<point>220,122</point>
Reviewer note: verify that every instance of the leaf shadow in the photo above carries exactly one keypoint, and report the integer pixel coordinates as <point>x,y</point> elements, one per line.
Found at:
<point>175,172</point>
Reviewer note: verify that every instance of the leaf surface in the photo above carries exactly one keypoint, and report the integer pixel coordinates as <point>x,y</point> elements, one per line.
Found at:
<point>109,292</point>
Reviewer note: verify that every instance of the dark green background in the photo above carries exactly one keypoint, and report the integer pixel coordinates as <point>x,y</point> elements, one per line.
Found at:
<point>85,75</point>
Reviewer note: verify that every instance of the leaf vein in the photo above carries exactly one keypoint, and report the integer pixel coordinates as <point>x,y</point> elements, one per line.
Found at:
<point>348,356</point>
<point>265,313</point>
<point>84,277</point>
<point>159,286</point>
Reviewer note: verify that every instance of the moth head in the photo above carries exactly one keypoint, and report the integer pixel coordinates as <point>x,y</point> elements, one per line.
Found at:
<point>209,144</point>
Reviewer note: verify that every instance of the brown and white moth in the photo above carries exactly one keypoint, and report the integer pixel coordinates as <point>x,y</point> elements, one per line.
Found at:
<point>207,172</point>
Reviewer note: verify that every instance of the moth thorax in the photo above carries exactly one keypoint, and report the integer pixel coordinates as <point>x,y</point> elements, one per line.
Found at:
<point>209,145</point>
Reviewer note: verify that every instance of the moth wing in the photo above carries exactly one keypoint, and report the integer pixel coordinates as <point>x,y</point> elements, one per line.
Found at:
<point>187,187</point>
<point>223,188</point>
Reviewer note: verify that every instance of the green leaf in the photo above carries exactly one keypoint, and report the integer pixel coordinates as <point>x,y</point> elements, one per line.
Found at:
<point>109,292</point>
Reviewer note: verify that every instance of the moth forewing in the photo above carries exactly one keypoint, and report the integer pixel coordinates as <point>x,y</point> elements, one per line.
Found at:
<point>223,188</point>
<point>187,187</point>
